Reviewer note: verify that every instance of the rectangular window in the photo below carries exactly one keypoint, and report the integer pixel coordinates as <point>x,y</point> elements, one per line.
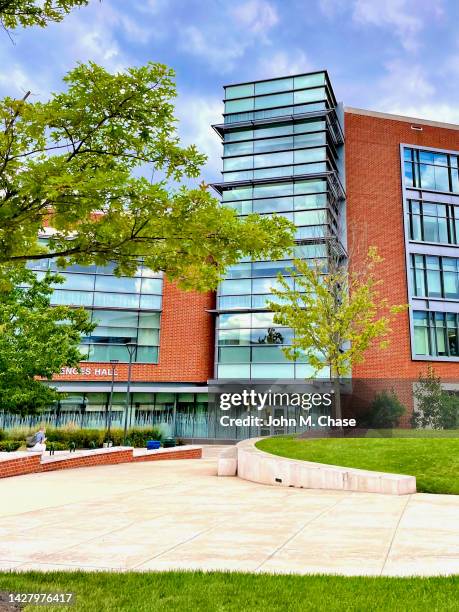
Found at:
<point>266,87</point>
<point>239,91</point>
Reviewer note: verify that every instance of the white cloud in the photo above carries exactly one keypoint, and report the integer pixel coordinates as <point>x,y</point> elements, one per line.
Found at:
<point>226,41</point>
<point>257,16</point>
<point>219,51</point>
<point>406,90</point>
<point>405,18</point>
<point>398,14</point>
<point>196,114</point>
<point>442,111</point>
<point>282,63</point>
<point>16,81</point>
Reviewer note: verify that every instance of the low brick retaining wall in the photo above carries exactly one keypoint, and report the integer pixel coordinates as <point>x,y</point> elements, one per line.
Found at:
<point>258,466</point>
<point>23,462</point>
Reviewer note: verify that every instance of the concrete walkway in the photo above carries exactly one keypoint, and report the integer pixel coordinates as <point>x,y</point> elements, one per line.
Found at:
<point>178,514</point>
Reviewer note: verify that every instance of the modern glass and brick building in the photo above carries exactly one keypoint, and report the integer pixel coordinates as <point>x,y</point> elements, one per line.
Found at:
<point>347,178</point>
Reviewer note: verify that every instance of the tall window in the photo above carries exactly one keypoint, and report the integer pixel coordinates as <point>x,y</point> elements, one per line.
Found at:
<point>432,222</point>
<point>431,171</point>
<point>436,277</point>
<point>436,334</point>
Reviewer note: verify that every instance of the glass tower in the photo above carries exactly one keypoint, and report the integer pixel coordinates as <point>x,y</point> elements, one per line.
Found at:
<point>282,154</point>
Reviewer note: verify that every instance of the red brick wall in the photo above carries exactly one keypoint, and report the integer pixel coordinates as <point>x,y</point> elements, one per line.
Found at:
<point>186,342</point>
<point>374,215</point>
<point>31,464</point>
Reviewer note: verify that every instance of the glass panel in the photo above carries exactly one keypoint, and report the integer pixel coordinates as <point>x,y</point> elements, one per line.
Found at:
<point>273,159</point>
<point>308,126</point>
<point>278,370</point>
<point>147,354</point>
<point>228,321</point>
<point>272,205</point>
<point>427,176</point>
<point>450,283</point>
<point>416,228</point>
<point>113,283</point>
<point>152,285</point>
<point>311,217</point>
<point>234,355</point>
<point>309,80</point>
<point>262,319</point>
<point>271,268</point>
<point>114,318</point>
<point>120,300</point>
<point>309,95</point>
<point>441,178</point>
<point>236,106</point>
<point>421,341</point>
<point>272,86</point>
<point>149,320</point>
<point>309,140</point>
<point>239,91</point>
<point>272,335</point>
<point>148,337</point>
<point>276,189</point>
<point>239,337</point>
<point>273,130</point>
<point>152,302</point>
<point>237,163</point>
<point>268,354</point>
<point>234,301</point>
<point>238,148</point>
<point>274,100</point>
<point>433,283</point>
<point>234,371</point>
<point>72,298</point>
<point>240,270</point>
<point>243,134</point>
<point>237,193</point>
<point>273,144</point>
<point>101,352</point>
<point>310,186</point>
<point>318,200</point>
<point>234,287</point>
<point>76,281</point>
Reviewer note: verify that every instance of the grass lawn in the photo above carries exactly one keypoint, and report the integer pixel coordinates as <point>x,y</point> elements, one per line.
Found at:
<point>434,461</point>
<point>221,591</point>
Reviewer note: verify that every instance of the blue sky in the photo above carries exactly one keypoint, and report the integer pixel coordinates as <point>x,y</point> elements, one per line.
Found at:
<point>399,56</point>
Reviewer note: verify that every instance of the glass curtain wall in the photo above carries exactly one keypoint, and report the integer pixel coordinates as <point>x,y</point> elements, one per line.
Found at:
<point>125,309</point>
<point>281,147</point>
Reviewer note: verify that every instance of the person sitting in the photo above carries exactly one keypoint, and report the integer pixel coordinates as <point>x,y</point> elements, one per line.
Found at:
<point>36,443</point>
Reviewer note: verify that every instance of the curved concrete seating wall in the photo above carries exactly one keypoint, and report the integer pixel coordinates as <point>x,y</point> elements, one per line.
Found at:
<point>258,466</point>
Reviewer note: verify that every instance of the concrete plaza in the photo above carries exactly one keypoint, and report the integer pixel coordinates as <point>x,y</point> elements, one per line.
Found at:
<point>179,515</point>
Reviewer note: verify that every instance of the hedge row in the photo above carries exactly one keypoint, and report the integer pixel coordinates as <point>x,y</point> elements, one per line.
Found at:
<point>87,438</point>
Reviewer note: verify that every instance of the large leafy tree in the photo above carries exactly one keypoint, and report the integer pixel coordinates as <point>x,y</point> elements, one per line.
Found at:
<point>36,339</point>
<point>337,314</point>
<point>101,163</point>
<point>25,13</point>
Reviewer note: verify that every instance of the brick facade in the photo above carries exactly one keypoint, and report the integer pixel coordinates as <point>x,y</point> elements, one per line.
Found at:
<point>375,218</point>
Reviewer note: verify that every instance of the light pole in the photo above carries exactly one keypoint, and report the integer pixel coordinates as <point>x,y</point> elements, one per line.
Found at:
<point>131,347</point>
<point>110,404</point>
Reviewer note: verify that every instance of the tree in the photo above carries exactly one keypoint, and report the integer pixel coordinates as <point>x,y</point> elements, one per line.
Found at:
<point>435,408</point>
<point>78,163</point>
<point>336,314</point>
<point>25,13</point>
<point>36,339</point>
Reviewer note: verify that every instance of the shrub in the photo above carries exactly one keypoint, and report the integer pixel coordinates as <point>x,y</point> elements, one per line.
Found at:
<point>386,410</point>
<point>3,434</point>
<point>10,445</point>
<point>57,446</point>
<point>435,408</point>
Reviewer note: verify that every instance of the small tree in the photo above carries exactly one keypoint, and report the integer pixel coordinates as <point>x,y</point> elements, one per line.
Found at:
<point>434,408</point>
<point>336,314</point>
<point>36,339</point>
